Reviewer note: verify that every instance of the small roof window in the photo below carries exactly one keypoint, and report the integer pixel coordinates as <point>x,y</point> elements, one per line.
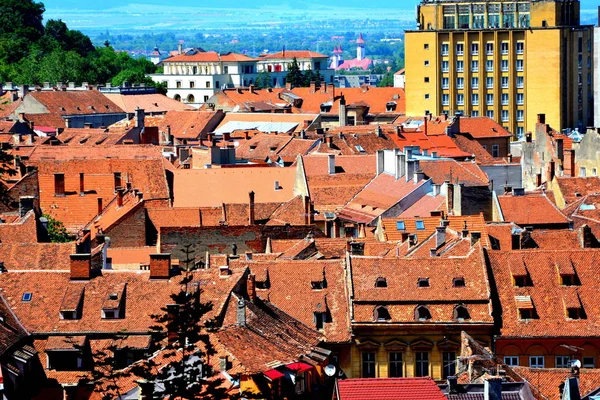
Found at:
<point>27,296</point>
<point>420,225</point>
<point>400,225</point>
<point>423,282</point>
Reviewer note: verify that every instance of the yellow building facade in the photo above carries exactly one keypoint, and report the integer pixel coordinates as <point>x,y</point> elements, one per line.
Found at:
<point>509,60</point>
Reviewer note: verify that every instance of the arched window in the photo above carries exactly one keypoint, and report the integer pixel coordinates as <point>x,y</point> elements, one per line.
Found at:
<point>177,97</point>
<point>381,313</point>
<point>190,98</point>
<point>422,313</point>
<point>461,313</point>
<point>380,282</point>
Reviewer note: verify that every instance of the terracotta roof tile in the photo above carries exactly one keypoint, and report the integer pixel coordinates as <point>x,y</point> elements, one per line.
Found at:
<point>547,381</point>
<point>482,128</point>
<point>573,189</point>
<point>467,173</point>
<point>30,256</point>
<point>11,330</point>
<point>190,124</point>
<point>389,389</point>
<point>424,206</point>
<point>150,103</point>
<point>531,209</point>
<point>76,102</point>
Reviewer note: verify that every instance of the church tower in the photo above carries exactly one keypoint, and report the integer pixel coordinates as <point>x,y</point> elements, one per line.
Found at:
<point>360,48</point>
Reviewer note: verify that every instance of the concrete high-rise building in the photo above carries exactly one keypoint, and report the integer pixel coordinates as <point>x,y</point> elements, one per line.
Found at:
<point>506,59</point>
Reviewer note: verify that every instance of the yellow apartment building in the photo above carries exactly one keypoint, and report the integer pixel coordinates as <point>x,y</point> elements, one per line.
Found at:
<point>509,60</point>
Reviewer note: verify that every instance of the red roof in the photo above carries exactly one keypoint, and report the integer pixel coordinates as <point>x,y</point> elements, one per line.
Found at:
<point>389,389</point>
<point>298,367</point>
<point>273,374</point>
<point>209,56</point>
<point>363,64</point>
<point>360,39</point>
<point>482,128</point>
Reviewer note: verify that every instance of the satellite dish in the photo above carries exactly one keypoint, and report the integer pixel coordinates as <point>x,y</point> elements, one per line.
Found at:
<point>576,364</point>
<point>330,370</point>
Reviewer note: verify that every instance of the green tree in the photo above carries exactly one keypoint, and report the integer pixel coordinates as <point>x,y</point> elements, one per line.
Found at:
<point>182,324</point>
<point>294,75</point>
<point>57,232</point>
<point>263,80</point>
<point>387,80</point>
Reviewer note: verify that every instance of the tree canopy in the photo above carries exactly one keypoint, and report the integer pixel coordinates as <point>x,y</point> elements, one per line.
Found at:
<point>31,53</point>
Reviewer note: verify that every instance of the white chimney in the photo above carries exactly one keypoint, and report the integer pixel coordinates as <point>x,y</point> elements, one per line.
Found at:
<point>331,164</point>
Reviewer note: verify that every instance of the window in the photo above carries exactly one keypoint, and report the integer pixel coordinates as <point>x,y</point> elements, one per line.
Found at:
<point>504,65</point>
<point>207,84</point>
<point>445,83</point>
<point>445,99</point>
<point>426,79</point>
<point>449,361</point>
<point>426,63</point>
<point>504,116</point>
<point>520,98</point>
<point>320,318</point>
<point>521,280</point>
<point>588,362</point>
<point>426,46</point>
<point>400,225</point>
<point>520,47</point>
<point>420,225</point>
<point>368,365</point>
<point>474,113</point>
<point>504,47</point>
<point>520,131</point>
<point>520,65</point>
<point>59,184</point>
<point>520,82</point>
<point>444,49</point>
<point>562,362</point>
<point>474,49</point>
<point>489,82</point>
<point>110,314</point>
<point>395,367</point>
<point>489,49</point>
<point>460,66</point>
<point>380,282</point>
<point>178,84</point>
<point>460,49</point>
<point>504,99</point>
<point>426,96</point>
<point>475,99</point>
<point>27,297</point>
<point>445,66</point>
<point>421,363</point>
<point>461,313</point>
<point>474,66</point>
<point>526,313</point>
<point>382,314</point>
<point>504,82</point>
<point>190,98</point>
<point>68,315</point>
<point>495,150</point>
<point>475,83</point>
<point>423,282</point>
<point>205,99</point>
<point>576,313</point>
<point>511,361</point>
<point>460,83</point>
<point>217,84</point>
<point>489,65</point>
<point>520,115</point>
<point>422,313</point>
<point>192,84</point>
<point>582,172</point>
<point>580,45</point>
<point>489,99</point>
<point>536,361</point>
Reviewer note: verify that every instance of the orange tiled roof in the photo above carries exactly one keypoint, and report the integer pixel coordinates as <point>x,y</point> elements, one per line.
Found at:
<point>573,189</point>
<point>547,381</point>
<point>208,56</point>
<point>298,119</point>
<point>42,256</point>
<point>467,173</point>
<point>150,103</point>
<point>11,330</point>
<point>74,103</point>
<point>290,54</point>
<point>530,209</point>
<point>424,206</point>
<point>549,298</point>
<point>473,147</point>
<point>482,128</point>
<point>190,124</point>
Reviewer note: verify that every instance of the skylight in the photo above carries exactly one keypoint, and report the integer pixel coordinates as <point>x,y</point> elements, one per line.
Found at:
<point>420,225</point>
<point>26,296</point>
<point>400,225</point>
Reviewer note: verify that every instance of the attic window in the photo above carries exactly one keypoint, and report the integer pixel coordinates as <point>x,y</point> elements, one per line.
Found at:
<point>400,225</point>
<point>26,297</point>
<point>423,282</point>
<point>273,148</point>
<point>422,313</point>
<point>252,147</point>
<point>526,313</point>
<point>276,185</point>
<point>107,107</point>
<point>568,280</point>
<point>390,106</point>
<point>576,313</point>
<point>380,282</point>
<point>458,282</point>
<point>359,148</point>
<point>381,313</point>
<point>461,313</point>
<point>420,225</point>
<point>317,285</point>
<point>62,109</point>
<point>522,281</point>
<point>113,296</point>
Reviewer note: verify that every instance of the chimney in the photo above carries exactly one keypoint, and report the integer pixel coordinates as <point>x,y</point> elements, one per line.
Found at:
<point>251,208</point>
<point>433,252</point>
<point>313,86</point>
<point>331,90</point>
<point>551,171</point>
<point>449,197</point>
<point>323,88</point>
<point>452,385</point>
<point>329,141</point>
<point>139,117</point>
<point>586,237</point>
<point>560,148</point>
<point>425,125</point>
<point>379,131</point>
<point>224,270</point>
<point>541,118</point>
<point>180,48</point>
<point>251,88</point>
<point>81,266</point>
<point>251,287</point>
<point>569,162</point>
<point>440,236</point>
<point>343,118</point>
<point>288,85</point>
<point>492,389</point>
<point>81,184</point>
<point>400,165</point>
<point>457,202</point>
<point>475,237</point>
<point>331,164</point>
<point>120,192</point>
<point>571,389</point>
<point>456,124</point>
<point>169,135</point>
<point>528,137</point>
<point>160,266</point>
<point>419,175</point>
<point>241,312</point>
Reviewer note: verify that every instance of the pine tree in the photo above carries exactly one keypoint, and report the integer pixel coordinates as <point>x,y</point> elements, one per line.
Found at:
<point>294,75</point>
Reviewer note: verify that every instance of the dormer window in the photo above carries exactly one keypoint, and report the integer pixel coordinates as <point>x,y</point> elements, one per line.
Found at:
<point>381,313</point>
<point>400,225</point>
<point>525,307</point>
<point>423,282</point>
<point>71,305</point>
<point>317,285</point>
<point>380,282</point>
<point>458,282</point>
<point>422,313</point>
<point>576,313</point>
<point>112,307</point>
<point>522,281</point>
<point>567,280</point>
<point>461,313</point>
<point>390,106</point>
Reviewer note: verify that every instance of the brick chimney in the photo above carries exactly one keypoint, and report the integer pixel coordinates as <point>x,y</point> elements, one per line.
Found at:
<point>586,237</point>
<point>440,236</point>
<point>81,266</point>
<point>120,192</point>
<point>81,183</point>
<point>343,117</point>
<point>331,90</point>
<point>251,208</point>
<point>308,214</point>
<point>449,197</point>
<point>313,86</point>
<point>160,266</point>
<point>569,162</point>
<point>251,88</point>
<point>251,287</point>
